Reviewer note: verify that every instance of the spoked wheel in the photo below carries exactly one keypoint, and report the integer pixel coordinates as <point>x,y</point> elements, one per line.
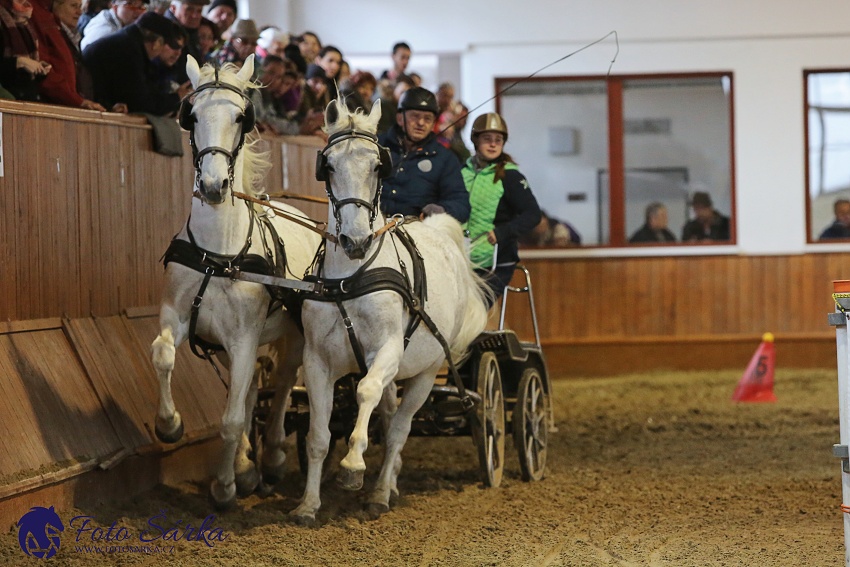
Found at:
<point>530,427</point>
<point>490,420</point>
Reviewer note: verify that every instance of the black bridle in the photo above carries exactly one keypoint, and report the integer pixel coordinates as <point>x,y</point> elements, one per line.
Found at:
<point>336,204</point>
<point>187,121</point>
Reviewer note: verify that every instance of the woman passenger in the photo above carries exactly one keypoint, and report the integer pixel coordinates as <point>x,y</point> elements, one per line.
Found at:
<point>503,206</point>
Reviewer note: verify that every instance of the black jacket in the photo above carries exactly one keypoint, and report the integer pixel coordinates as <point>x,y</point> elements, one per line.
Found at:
<point>122,72</point>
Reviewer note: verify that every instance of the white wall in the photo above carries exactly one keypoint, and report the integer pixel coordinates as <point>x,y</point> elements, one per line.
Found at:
<point>766,44</point>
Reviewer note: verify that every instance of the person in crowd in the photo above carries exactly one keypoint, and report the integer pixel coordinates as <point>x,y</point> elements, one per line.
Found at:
<point>416,79</point>
<point>122,67</point>
<point>551,232</point>
<point>840,227</point>
<point>390,95</point>
<point>708,224</point>
<point>272,41</point>
<point>329,60</point>
<point>287,96</point>
<point>159,6</point>
<point>359,90</point>
<point>344,73</point>
<point>223,13</point>
<point>456,143</point>
<point>242,43</point>
<point>187,14</point>
<point>426,177</point>
<point>22,67</point>
<point>654,228</point>
<point>69,83</point>
<point>91,8</point>
<point>401,59</point>
<point>315,96</point>
<point>208,39</point>
<point>446,97</point>
<point>120,14</point>
<point>273,72</point>
<point>502,204</point>
<point>165,63</point>
<point>309,45</point>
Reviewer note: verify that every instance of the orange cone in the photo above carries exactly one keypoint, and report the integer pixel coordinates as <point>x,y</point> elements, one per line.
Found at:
<point>756,385</point>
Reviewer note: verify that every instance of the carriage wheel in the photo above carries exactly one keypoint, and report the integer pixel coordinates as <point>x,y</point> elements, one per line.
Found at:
<point>531,430</point>
<point>490,420</point>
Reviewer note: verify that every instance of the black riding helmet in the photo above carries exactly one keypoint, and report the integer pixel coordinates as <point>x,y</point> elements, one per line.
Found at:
<point>418,98</point>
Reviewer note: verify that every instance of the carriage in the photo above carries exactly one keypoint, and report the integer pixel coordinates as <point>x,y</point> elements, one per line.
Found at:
<point>507,377</point>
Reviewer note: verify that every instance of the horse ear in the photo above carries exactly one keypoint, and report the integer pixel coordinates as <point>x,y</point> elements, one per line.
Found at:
<point>332,112</point>
<point>247,70</point>
<point>375,116</point>
<point>193,71</point>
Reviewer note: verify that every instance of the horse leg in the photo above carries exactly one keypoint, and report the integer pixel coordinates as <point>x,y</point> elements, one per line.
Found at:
<point>289,357</point>
<point>369,393</point>
<point>168,424</point>
<point>223,487</point>
<point>320,387</point>
<point>416,392</point>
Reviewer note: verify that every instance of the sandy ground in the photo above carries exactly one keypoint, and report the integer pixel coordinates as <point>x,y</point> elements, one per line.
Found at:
<point>656,470</point>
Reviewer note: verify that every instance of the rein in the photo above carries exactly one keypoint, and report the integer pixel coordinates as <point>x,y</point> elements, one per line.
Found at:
<point>393,222</point>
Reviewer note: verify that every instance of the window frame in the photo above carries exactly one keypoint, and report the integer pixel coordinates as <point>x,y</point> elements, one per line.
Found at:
<point>616,151</point>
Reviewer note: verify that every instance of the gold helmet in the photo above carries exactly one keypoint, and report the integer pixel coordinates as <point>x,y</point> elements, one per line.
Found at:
<point>489,122</point>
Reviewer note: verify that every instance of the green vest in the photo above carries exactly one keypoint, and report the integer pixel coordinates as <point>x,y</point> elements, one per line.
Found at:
<point>484,197</point>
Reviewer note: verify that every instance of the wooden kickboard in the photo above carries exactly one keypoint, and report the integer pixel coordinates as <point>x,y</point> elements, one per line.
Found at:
<point>51,414</point>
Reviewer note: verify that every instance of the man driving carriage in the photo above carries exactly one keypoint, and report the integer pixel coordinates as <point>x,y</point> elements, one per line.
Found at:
<point>426,176</point>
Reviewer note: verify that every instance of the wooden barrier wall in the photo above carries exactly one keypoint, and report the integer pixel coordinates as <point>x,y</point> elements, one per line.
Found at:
<point>86,210</point>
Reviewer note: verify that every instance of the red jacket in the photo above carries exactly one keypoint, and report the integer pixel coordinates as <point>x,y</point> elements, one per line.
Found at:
<point>60,84</point>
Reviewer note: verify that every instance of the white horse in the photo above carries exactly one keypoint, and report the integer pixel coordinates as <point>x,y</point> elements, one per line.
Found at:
<point>352,164</point>
<point>239,316</point>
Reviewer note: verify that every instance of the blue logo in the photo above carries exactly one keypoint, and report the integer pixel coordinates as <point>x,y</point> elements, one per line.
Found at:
<point>38,532</point>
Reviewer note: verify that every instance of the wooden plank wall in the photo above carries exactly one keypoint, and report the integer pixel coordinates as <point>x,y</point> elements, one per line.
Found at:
<point>84,238</point>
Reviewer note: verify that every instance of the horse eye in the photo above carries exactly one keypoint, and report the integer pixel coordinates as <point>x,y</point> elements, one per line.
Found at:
<point>240,118</point>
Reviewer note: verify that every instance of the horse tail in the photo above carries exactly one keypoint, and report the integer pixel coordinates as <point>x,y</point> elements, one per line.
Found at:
<point>479,295</point>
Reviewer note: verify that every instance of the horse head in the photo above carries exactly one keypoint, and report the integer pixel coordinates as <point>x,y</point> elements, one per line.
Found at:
<point>352,165</point>
<point>218,115</point>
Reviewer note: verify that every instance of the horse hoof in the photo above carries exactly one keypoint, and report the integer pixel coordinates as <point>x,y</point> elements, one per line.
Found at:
<point>349,480</point>
<point>303,518</point>
<point>273,475</point>
<point>247,482</point>
<point>264,490</point>
<point>222,500</point>
<point>375,510</point>
<point>172,437</point>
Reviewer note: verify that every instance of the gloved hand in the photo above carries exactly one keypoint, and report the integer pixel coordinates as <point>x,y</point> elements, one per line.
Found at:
<point>432,209</point>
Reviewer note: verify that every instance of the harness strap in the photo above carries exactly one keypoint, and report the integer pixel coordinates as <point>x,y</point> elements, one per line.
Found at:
<point>352,338</point>
<point>207,349</point>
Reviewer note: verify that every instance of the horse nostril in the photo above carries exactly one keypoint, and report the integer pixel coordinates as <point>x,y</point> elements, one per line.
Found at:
<point>225,184</point>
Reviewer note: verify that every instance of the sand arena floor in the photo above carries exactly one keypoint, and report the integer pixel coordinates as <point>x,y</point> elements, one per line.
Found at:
<point>650,470</point>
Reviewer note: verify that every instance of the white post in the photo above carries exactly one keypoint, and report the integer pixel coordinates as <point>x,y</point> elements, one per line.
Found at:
<point>840,320</point>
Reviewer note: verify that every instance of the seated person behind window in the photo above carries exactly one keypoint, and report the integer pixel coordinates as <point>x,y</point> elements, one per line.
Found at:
<point>708,224</point>
<point>426,177</point>
<point>840,228</point>
<point>503,206</point>
<point>551,232</point>
<point>655,228</point>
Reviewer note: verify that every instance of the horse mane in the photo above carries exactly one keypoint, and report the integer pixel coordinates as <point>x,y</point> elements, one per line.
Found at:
<point>256,163</point>
<point>346,119</point>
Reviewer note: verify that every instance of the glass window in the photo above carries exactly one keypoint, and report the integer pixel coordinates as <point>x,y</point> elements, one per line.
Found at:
<point>666,139</point>
<point>828,154</point>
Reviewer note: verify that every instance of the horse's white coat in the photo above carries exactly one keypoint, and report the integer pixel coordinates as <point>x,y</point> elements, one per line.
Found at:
<point>233,314</point>
<point>455,303</point>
